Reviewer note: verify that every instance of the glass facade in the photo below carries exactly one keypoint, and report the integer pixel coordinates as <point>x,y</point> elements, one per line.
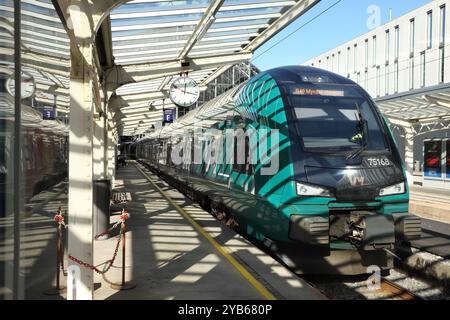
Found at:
<point>34,93</point>
<point>8,78</point>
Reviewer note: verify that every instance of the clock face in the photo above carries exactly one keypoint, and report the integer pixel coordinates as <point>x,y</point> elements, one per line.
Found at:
<point>184,92</point>
<point>28,86</point>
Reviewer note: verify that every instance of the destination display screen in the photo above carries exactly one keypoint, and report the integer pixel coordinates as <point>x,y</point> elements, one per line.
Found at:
<point>323,90</point>
<point>318,92</point>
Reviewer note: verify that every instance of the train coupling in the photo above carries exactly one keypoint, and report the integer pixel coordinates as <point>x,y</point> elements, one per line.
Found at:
<point>370,231</point>
<point>376,231</point>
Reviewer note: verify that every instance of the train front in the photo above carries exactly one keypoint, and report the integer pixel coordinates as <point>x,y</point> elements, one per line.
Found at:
<point>351,191</point>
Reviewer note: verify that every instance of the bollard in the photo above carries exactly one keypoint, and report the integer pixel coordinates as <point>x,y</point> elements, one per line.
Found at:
<point>58,289</point>
<point>123,285</point>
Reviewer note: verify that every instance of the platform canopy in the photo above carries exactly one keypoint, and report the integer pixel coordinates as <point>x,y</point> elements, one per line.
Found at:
<point>209,36</point>
<point>144,45</point>
<point>427,106</point>
<point>45,51</point>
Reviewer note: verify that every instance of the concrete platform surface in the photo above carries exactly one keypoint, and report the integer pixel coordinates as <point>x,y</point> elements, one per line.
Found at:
<point>430,203</point>
<point>435,238</point>
<point>169,258</point>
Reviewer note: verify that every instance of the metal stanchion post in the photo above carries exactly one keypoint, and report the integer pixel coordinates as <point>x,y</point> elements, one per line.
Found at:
<point>123,285</point>
<point>58,289</point>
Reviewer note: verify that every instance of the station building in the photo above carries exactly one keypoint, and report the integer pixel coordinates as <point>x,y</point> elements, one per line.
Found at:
<point>405,65</point>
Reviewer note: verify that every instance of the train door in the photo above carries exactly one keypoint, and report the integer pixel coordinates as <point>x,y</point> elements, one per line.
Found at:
<point>243,168</point>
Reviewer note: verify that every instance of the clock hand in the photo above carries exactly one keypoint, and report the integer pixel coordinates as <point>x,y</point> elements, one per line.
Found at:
<point>186,92</point>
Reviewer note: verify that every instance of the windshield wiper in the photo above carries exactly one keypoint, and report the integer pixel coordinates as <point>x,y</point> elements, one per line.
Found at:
<point>362,131</point>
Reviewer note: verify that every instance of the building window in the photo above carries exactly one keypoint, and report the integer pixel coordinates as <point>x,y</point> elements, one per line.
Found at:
<point>333,63</point>
<point>339,62</point>
<point>441,64</point>
<point>366,59</point>
<point>442,25</point>
<point>378,81</point>
<point>366,80</point>
<point>374,51</point>
<point>386,80</point>
<point>412,36</point>
<point>429,29</point>
<point>355,57</point>
<point>411,73</point>
<point>422,69</point>
<point>396,56</point>
<point>348,60</point>
<point>397,42</point>
<point>396,77</point>
<point>388,47</point>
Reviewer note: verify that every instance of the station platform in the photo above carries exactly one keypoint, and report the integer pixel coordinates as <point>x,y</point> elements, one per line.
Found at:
<point>430,203</point>
<point>433,206</point>
<point>176,250</point>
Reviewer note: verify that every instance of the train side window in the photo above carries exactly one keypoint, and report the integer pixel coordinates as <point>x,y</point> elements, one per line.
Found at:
<point>239,149</point>
<point>162,151</point>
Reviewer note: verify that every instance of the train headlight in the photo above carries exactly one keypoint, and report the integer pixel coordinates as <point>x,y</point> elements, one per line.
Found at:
<point>304,189</point>
<point>398,188</point>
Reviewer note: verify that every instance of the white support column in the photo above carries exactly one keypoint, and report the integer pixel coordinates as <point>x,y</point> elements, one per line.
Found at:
<point>409,153</point>
<point>80,239</point>
<point>409,146</point>
<point>105,147</point>
<point>111,157</point>
<point>99,145</point>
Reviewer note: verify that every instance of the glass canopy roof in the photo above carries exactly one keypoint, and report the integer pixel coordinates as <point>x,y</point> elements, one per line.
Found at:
<point>45,50</point>
<point>429,105</point>
<point>155,31</point>
<point>146,31</point>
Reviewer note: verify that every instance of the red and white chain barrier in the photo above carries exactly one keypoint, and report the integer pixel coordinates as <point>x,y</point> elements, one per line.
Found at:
<point>123,217</point>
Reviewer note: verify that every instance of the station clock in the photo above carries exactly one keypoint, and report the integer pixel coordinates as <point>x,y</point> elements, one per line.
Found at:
<point>28,85</point>
<point>184,92</point>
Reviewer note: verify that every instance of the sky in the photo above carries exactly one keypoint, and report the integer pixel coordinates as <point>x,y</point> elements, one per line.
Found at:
<point>343,22</point>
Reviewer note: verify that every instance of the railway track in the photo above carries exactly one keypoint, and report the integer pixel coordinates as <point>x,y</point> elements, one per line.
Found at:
<point>397,286</point>
<point>396,291</point>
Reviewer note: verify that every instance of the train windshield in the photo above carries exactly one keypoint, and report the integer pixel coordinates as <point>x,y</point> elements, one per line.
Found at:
<point>336,118</point>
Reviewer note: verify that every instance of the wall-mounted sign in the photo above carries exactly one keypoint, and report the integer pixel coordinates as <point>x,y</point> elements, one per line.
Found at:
<point>168,115</point>
<point>49,113</point>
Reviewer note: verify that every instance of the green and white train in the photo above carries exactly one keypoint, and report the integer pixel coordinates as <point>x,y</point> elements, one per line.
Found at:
<point>337,201</point>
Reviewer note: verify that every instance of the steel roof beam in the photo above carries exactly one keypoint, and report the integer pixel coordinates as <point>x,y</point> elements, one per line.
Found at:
<point>202,27</point>
<point>121,75</point>
<point>287,18</point>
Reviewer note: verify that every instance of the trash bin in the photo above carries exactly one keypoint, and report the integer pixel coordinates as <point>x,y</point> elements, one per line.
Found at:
<point>102,196</point>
